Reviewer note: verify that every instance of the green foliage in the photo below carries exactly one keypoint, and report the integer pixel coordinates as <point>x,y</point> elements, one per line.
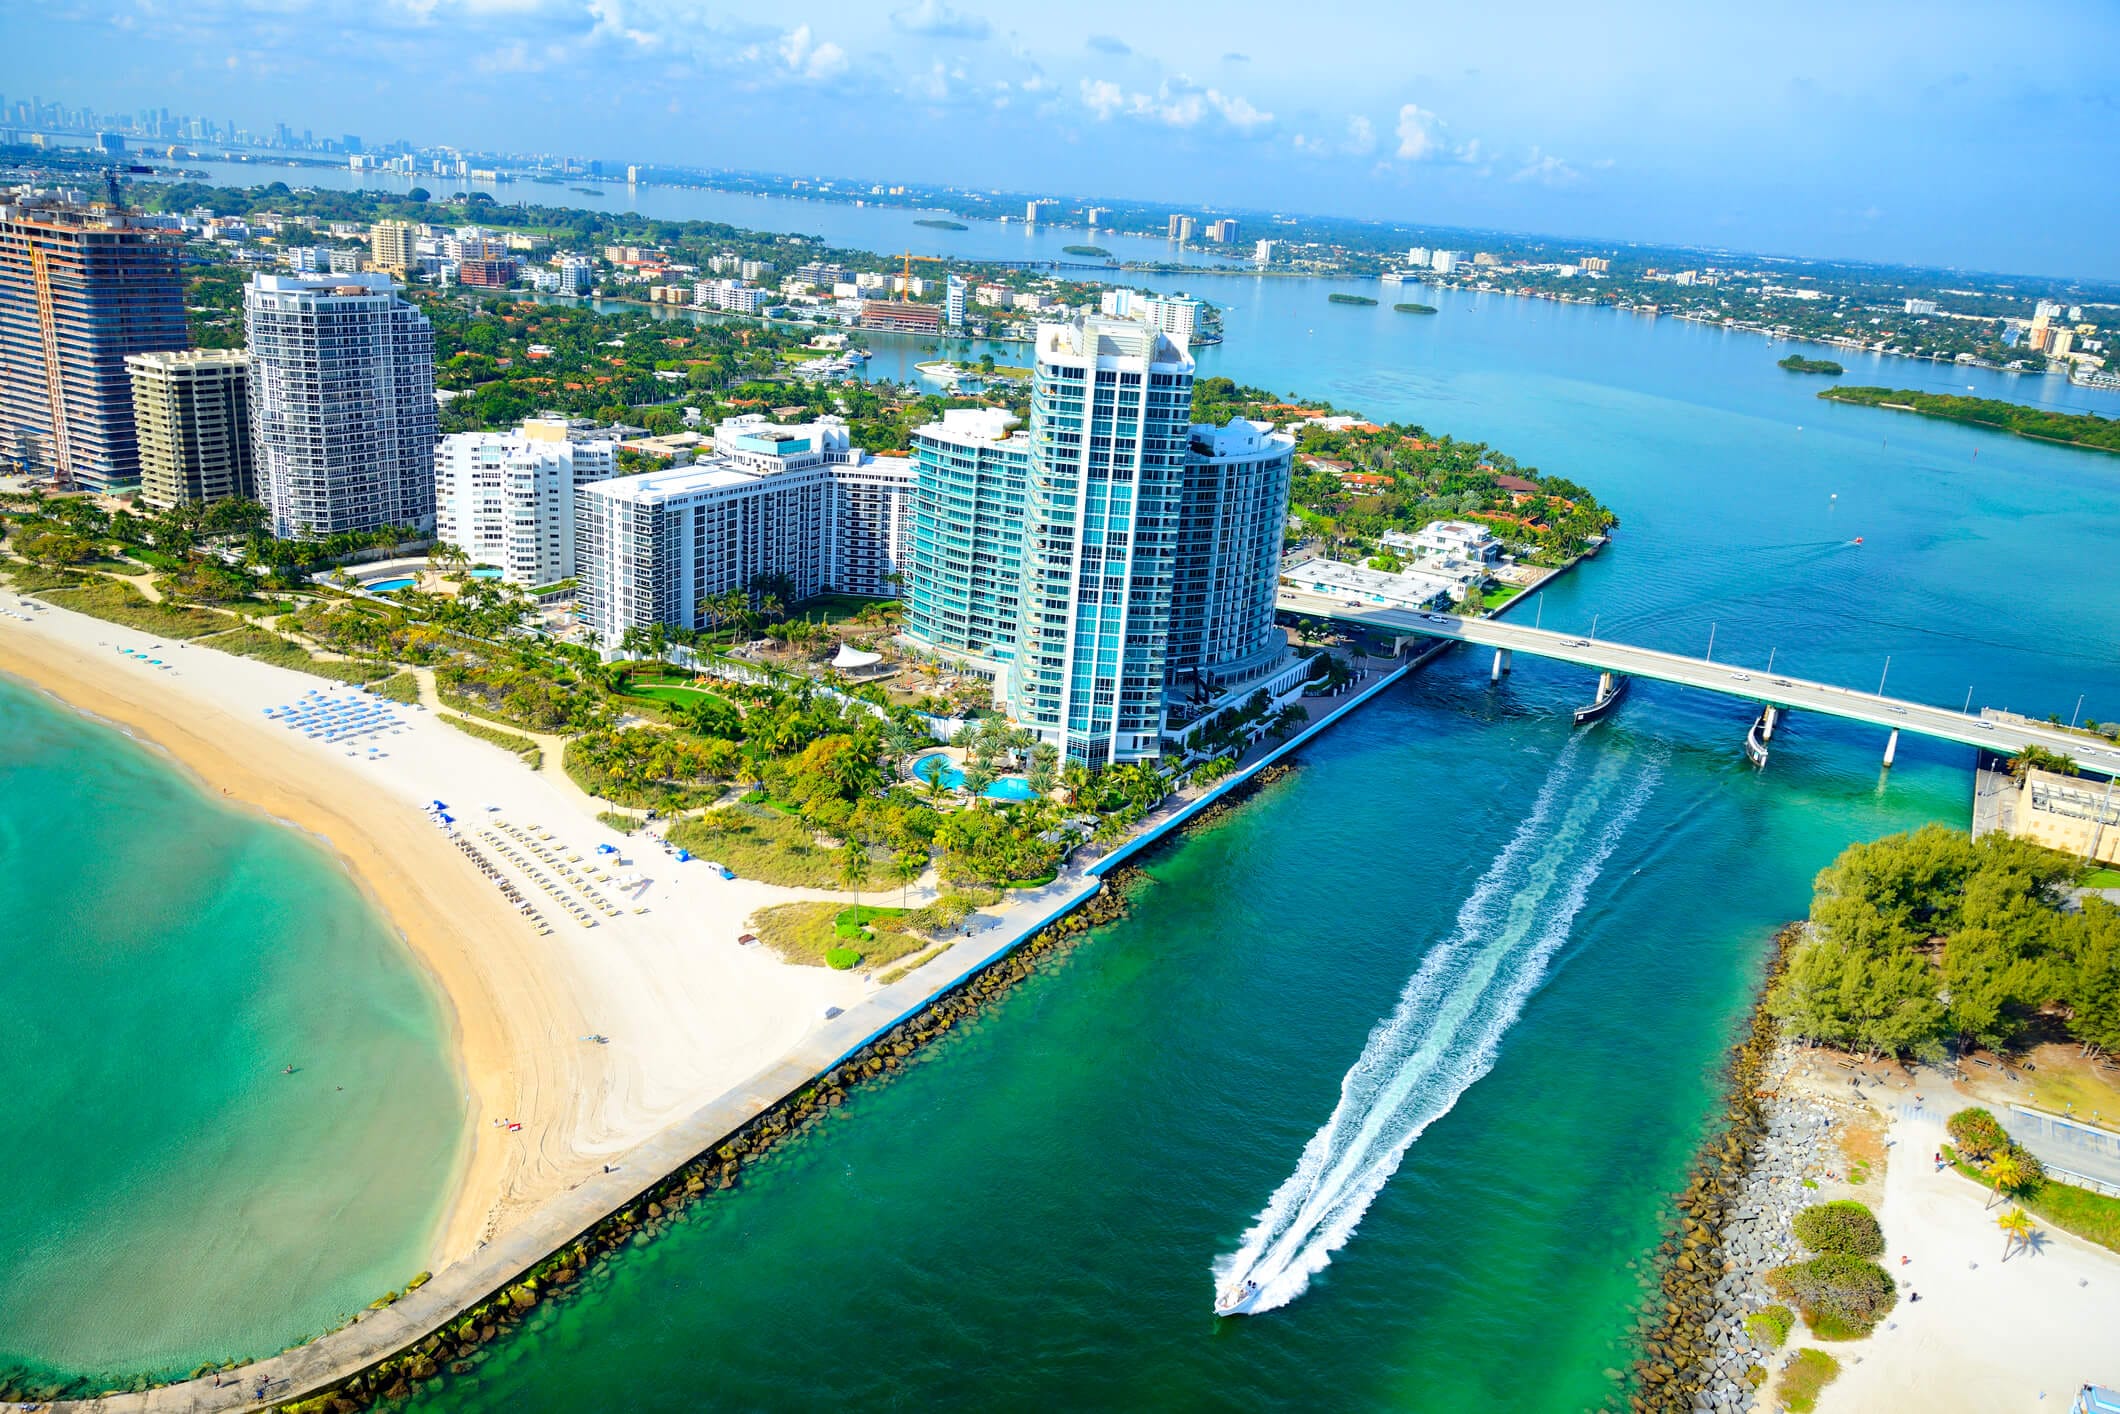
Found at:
<point>808,934</point>
<point>649,769</point>
<point>1809,1372</point>
<point>1837,1293</point>
<point>402,687</point>
<point>1771,1326</point>
<point>286,653</point>
<point>2077,429</point>
<point>120,603</point>
<point>1844,1226</point>
<point>1339,297</point>
<point>759,844</point>
<point>1978,1135</point>
<point>1797,363</point>
<point>842,959</point>
<point>624,824</point>
<point>1414,308</point>
<point>1870,976</point>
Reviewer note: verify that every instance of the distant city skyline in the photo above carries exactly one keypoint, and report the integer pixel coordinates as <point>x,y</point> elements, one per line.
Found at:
<point>1981,145</point>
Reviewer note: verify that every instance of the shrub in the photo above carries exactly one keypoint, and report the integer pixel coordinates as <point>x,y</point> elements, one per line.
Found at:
<point>1840,1296</point>
<point>1844,1226</point>
<point>1809,1372</point>
<point>1771,1327</point>
<point>842,959</point>
<point>1978,1134</point>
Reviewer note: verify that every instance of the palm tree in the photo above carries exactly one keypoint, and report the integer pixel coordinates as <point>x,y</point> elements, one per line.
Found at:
<point>908,866</point>
<point>854,871</point>
<point>2005,1173</point>
<point>933,774</point>
<point>2018,1230</point>
<point>979,773</point>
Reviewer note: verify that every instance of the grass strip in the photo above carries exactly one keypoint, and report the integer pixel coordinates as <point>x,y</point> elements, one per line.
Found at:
<point>533,755</point>
<point>286,653</point>
<point>808,933</point>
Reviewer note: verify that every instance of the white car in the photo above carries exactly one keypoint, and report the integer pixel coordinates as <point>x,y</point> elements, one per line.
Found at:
<point>1437,619</point>
<point>1740,677</point>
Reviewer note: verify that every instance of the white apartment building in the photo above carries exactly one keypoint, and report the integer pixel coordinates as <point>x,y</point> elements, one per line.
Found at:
<point>1174,315</point>
<point>577,274</point>
<point>342,403</point>
<point>796,500</point>
<point>1232,514</point>
<point>507,498</point>
<point>1118,304</point>
<point>953,301</point>
<point>1443,262</point>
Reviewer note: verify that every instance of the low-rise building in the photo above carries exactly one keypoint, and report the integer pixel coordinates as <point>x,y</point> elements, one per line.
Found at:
<point>1358,586</point>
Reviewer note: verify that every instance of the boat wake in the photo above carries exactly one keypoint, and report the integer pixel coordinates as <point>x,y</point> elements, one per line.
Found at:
<point>1449,1021</point>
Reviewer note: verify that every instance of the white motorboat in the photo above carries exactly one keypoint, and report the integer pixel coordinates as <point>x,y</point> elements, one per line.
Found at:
<point>1238,1300</point>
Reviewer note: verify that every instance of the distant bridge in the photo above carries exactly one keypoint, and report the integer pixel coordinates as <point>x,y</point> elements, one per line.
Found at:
<point>1775,693</point>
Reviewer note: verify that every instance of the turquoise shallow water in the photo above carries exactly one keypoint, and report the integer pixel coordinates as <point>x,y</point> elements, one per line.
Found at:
<point>167,1196</point>
<point>1035,1213</point>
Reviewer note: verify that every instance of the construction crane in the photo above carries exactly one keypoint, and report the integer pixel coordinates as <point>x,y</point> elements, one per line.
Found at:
<point>112,191</point>
<point>907,286</point>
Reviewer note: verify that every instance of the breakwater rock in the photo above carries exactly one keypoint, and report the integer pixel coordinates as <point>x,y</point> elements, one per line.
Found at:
<point>1732,1225</point>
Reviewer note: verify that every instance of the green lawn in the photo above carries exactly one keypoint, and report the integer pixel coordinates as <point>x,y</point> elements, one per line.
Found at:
<point>404,687</point>
<point>1502,595</point>
<point>676,694</point>
<point>832,608</point>
<point>2090,1216</point>
<point>2102,879</point>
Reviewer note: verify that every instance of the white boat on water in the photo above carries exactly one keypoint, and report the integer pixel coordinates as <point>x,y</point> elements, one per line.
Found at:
<point>1238,1300</point>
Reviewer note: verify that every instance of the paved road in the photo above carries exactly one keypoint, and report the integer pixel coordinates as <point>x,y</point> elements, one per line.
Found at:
<point>2092,1152</point>
<point>1789,694</point>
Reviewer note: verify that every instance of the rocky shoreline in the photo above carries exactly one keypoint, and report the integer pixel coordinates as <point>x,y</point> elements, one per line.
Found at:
<point>1732,1225</point>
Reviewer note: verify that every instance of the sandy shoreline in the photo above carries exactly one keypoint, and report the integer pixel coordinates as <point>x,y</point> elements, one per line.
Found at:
<point>689,1014</point>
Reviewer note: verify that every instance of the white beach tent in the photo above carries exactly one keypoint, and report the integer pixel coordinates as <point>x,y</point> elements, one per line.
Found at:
<point>851,658</point>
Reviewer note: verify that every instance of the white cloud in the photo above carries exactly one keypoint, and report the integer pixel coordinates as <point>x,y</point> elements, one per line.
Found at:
<point>1420,134</point>
<point>1174,104</point>
<point>806,58</point>
<point>1361,135</point>
<point>938,21</point>
<point>1102,97</point>
<point>1547,170</point>
<point>934,85</point>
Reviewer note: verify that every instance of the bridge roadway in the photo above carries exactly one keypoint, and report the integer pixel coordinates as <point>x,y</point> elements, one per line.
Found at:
<point>1772,690</point>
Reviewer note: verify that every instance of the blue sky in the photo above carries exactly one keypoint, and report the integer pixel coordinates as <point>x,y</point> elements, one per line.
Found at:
<point>1941,132</point>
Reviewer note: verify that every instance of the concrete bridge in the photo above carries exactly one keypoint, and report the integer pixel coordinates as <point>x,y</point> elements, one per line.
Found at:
<point>1776,693</point>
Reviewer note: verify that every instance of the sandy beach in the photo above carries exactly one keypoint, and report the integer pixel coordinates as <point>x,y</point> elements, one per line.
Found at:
<point>688,1013</point>
<point>1987,1334</point>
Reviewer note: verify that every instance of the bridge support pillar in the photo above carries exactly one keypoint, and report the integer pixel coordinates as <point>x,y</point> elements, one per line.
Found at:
<point>1768,720</point>
<point>1604,686</point>
<point>1891,746</point>
<point>1501,665</point>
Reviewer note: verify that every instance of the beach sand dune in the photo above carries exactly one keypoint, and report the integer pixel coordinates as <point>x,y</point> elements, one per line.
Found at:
<point>688,1013</point>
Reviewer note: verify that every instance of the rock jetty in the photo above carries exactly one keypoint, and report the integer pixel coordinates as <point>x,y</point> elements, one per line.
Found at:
<point>1732,1225</point>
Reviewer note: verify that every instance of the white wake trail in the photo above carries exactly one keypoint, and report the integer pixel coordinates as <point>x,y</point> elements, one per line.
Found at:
<point>1448,1024</point>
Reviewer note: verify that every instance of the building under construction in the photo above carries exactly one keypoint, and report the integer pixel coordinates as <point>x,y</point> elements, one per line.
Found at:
<point>81,289</point>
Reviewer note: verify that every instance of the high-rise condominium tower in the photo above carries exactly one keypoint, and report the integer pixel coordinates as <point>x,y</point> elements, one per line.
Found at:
<point>191,409</point>
<point>1111,411</point>
<point>80,290</point>
<point>507,498</point>
<point>342,401</point>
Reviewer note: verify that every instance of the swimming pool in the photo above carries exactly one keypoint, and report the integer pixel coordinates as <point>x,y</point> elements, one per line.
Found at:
<point>390,586</point>
<point>1005,788</point>
<point>488,573</point>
